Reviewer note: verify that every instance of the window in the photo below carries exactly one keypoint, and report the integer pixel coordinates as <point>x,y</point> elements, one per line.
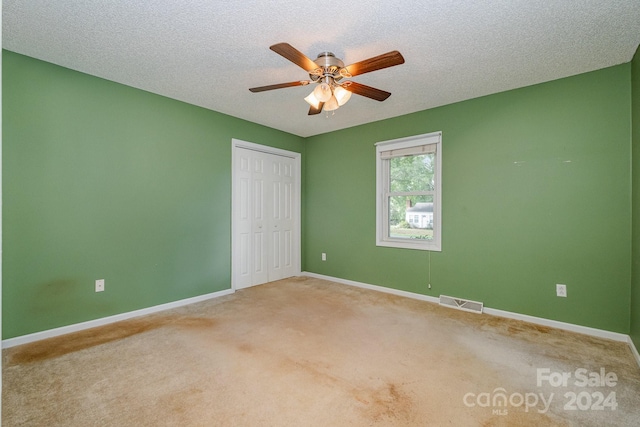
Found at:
<point>409,201</point>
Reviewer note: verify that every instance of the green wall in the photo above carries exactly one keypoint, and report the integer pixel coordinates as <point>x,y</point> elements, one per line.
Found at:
<point>103,181</point>
<point>536,191</point>
<point>635,123</point>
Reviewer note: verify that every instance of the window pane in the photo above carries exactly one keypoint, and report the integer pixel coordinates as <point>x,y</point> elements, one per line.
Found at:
<point>412,173</point>
<point>411,217</point>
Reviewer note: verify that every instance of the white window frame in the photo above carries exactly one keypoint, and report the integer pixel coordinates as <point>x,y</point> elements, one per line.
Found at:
<point>383,194</point>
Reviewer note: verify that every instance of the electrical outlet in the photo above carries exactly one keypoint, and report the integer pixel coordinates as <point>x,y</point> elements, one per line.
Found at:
<point>100,285</point>
<point>324,256</point>
<point>561,290</point>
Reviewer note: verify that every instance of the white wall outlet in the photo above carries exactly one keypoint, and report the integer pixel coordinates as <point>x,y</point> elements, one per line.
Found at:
<point>561,290</point>
<point>324,256</point>
<point>100,285</point>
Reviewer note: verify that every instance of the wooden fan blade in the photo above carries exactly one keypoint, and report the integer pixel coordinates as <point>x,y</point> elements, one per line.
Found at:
<point>294,55</point>
<point>279,86</point>
<point>379,62</point>
<point>364,90</point>
<point>313,111</point>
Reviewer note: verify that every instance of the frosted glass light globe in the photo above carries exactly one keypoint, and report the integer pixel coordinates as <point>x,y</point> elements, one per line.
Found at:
<point>342,95</point>
<point>331,104</point>
<point>322,92</point>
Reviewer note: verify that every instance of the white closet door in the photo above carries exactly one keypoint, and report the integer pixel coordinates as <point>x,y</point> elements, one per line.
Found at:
<point>250,260</point>
<point>265,218</point>
<point>282,221</point>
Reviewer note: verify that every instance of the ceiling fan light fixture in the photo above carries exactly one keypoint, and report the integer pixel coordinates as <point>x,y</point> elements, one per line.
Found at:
<point>342,95</point>
<point>312,100</point>
<point>322,92</point>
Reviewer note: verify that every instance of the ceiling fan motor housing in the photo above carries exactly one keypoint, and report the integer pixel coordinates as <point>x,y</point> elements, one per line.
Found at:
<point>330,66</point>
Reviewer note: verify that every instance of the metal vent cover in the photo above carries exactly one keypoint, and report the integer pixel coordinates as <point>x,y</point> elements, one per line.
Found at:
<point>461,304</point>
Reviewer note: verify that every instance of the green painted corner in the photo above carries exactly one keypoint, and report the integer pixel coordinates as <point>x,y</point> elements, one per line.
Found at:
<point>103,181</point>
<point>635,123</point>
<point>535,192</point>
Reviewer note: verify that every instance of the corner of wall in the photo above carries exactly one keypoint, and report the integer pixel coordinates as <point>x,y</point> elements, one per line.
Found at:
<point>634,306</point>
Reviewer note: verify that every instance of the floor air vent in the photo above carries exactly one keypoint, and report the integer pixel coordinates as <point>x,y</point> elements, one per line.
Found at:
<point>461,304</point>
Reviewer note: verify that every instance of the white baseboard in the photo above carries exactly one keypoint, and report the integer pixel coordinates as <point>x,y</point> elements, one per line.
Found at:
<point>491,311</point>
<point>373,287</point>
<point>37,336</point>
<point>586,330</point>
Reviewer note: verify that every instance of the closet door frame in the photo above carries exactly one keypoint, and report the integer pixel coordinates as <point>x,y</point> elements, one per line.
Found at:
<point>237,144</point>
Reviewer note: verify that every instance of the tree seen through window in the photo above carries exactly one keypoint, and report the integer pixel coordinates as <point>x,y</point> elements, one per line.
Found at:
<point>411,215</point>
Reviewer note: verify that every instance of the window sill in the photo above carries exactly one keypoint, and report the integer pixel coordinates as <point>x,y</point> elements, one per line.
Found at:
<point>422,246</point>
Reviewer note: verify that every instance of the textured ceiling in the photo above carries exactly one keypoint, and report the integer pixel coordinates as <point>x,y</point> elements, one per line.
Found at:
<point>209,52</point>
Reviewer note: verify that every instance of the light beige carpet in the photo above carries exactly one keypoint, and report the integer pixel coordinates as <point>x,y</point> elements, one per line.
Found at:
<point>306,352</point>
